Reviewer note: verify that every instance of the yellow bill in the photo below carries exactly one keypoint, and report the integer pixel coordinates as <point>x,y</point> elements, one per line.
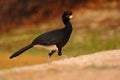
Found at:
<point>71,17</point>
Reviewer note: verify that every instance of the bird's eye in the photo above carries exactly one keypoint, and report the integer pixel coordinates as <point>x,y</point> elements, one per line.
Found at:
<point>67,16</point>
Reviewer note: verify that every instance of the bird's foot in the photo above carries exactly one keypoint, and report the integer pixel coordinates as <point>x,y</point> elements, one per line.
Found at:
<point>48,61</point>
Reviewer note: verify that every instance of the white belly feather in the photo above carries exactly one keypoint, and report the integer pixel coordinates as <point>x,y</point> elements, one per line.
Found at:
<point>52,47</point>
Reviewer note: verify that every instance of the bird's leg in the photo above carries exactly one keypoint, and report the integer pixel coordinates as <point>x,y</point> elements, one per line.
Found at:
<point>50,54</point>
<point>59,51</point>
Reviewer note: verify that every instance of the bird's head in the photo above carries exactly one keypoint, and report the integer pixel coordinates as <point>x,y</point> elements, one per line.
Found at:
<point>67,15</point>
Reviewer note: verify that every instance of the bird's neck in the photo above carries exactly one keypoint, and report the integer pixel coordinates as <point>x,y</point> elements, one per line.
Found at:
<point>68,27</point>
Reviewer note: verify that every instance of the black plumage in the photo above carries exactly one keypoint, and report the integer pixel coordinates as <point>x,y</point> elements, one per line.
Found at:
<point>58,37</point>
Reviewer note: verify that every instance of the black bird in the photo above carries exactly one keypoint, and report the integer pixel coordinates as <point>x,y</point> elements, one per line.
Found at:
<point>54,40</point>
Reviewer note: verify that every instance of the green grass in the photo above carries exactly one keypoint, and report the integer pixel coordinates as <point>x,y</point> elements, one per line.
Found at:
<point>85,42</point>
<point>82,42</point>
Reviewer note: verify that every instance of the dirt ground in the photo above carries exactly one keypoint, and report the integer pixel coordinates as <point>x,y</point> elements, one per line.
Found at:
<point>104,65</point>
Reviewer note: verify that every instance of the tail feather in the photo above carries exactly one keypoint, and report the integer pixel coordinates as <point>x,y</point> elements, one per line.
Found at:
<point>17,53</point>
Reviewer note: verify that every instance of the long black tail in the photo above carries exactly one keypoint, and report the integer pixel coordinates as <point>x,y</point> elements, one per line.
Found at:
<point>21,51</point>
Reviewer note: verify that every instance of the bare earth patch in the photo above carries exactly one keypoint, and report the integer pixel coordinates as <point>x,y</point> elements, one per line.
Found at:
<point>104,65</point>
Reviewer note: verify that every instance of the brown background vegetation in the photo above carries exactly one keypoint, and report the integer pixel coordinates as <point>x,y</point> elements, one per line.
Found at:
<point>23,13</point>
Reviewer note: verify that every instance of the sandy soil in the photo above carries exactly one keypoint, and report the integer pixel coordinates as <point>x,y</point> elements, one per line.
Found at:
<point>104,65</point>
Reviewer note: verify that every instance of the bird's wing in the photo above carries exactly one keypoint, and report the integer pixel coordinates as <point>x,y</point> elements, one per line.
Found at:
<point>50,38</point>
